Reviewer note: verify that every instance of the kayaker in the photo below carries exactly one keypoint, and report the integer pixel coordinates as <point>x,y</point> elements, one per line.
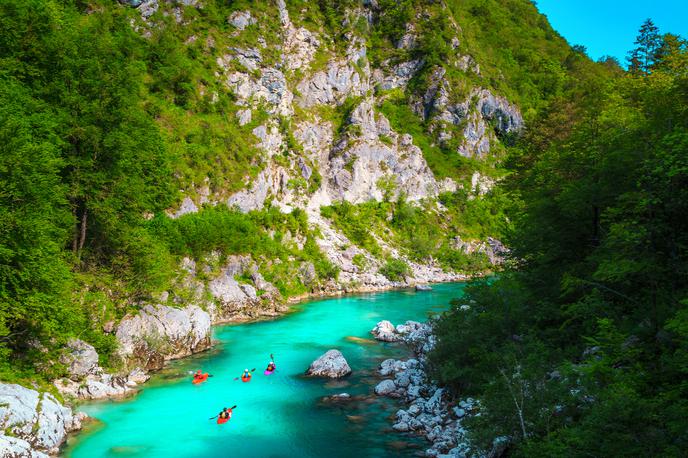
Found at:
<point>271,366</point>
<point>198,374</point>
<point>247,374</point>
<point>226,413</point>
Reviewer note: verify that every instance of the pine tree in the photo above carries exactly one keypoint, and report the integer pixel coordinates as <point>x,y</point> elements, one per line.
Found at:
<point>649,42</point>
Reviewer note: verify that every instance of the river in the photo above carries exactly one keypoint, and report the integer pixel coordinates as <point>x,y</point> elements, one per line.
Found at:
<point>279,415</point>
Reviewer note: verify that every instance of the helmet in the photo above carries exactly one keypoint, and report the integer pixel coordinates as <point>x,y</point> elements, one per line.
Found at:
<point>245,370</point>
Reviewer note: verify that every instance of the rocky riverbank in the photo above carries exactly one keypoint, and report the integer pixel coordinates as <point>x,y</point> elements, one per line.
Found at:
<point>33,424</point>
<point>428,411</point>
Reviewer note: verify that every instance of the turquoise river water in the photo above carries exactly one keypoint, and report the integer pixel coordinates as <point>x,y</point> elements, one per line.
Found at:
<point>280,415</point>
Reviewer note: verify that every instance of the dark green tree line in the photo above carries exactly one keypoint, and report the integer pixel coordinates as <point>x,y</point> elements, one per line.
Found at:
<point>580,348</point>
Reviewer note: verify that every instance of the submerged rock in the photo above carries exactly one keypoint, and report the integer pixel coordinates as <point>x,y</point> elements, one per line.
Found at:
<point>423,288</point>
<point>332,364</point>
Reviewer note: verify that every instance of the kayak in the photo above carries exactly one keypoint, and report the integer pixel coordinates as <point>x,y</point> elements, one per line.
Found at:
<point>245,379</point>
<point>200,379</point>
<point>221,421</point>
<point>267,372</point>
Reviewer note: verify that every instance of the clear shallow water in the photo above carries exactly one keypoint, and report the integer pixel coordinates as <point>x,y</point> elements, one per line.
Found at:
<point>279,415</point>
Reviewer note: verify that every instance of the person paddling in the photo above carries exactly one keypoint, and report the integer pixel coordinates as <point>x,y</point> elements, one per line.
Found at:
<point>200,377</point>
<point>224,415</point>
<point>246,376</point>
<point>271,365</point>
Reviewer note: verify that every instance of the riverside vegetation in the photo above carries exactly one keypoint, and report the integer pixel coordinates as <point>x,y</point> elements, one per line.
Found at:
<point>347,144</point>
<point>580,348</point>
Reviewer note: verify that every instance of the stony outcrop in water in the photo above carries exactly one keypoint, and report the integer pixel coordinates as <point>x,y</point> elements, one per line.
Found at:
<point>427,412</point>
<point>385,332</point>
<point>33,424</point>
<point>332,365</point>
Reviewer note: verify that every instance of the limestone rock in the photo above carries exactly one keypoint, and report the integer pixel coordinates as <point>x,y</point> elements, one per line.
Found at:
<point>385,332</point>
<point>13,447</point>
<point>385,388</point>
<point>332,364</point>
<point>33,418</point>
<point>158,333</point>
<point>80,358</point>
<point>341,80</point>
<point>241,19</point>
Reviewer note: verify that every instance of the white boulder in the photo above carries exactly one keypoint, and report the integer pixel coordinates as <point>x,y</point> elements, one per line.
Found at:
<point>385,332</point>
<point>332,364</point>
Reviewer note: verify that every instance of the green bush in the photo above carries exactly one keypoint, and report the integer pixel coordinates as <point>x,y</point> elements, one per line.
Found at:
<point>395,269</point>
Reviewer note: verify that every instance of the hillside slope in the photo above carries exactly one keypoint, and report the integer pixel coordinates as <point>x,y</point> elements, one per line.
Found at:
<point>171,164</point>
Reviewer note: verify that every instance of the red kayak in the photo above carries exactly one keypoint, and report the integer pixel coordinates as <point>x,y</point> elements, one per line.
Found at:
<point>200,378</point>
<point>245,379</point>
<point>221,421</point>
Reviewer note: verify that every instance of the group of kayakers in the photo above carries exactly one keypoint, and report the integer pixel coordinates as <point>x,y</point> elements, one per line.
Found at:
<point>226,413</point>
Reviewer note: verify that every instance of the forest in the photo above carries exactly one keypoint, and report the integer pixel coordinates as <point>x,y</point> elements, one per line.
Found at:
<point>580,347</point>
<point>577,347</point>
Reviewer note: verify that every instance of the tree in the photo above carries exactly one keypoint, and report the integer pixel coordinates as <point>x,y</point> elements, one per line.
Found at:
<point>649,42</point>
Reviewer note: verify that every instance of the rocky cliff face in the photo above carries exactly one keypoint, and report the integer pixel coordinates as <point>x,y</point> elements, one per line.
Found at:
<point>353,157</point>
<point>314,96</point>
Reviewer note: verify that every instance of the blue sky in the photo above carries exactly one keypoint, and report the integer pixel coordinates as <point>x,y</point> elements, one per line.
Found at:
<point>609,27</point>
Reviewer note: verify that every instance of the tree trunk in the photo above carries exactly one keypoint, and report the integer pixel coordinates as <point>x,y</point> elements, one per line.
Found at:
<point>82,238</point>
<point>75,239</point>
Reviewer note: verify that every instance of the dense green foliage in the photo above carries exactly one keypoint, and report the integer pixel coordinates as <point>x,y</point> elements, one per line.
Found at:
<point>101,125</point>
<point>423,231</point>
<point>581,349</point>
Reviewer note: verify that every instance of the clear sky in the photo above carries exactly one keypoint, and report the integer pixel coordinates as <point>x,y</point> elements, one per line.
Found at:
<point>609,27</point>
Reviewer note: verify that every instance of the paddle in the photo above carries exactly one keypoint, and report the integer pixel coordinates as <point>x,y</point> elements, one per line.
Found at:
<point>252,370</point>
<point>212,418</point>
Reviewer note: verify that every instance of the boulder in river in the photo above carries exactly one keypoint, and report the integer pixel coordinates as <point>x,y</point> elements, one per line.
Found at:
<point>386,388</point>
<point>386,332</point>
<point>423,288</point>
<point>332,364</point>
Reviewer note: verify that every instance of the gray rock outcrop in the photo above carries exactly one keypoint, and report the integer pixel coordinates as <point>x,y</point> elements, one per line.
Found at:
<point>33,424</point>
<point>385,331</point>
<point>332,365</point>
<point>80,358</point>
<point>158,333</point>
<point>102,386</point>
<point>241,19</point>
